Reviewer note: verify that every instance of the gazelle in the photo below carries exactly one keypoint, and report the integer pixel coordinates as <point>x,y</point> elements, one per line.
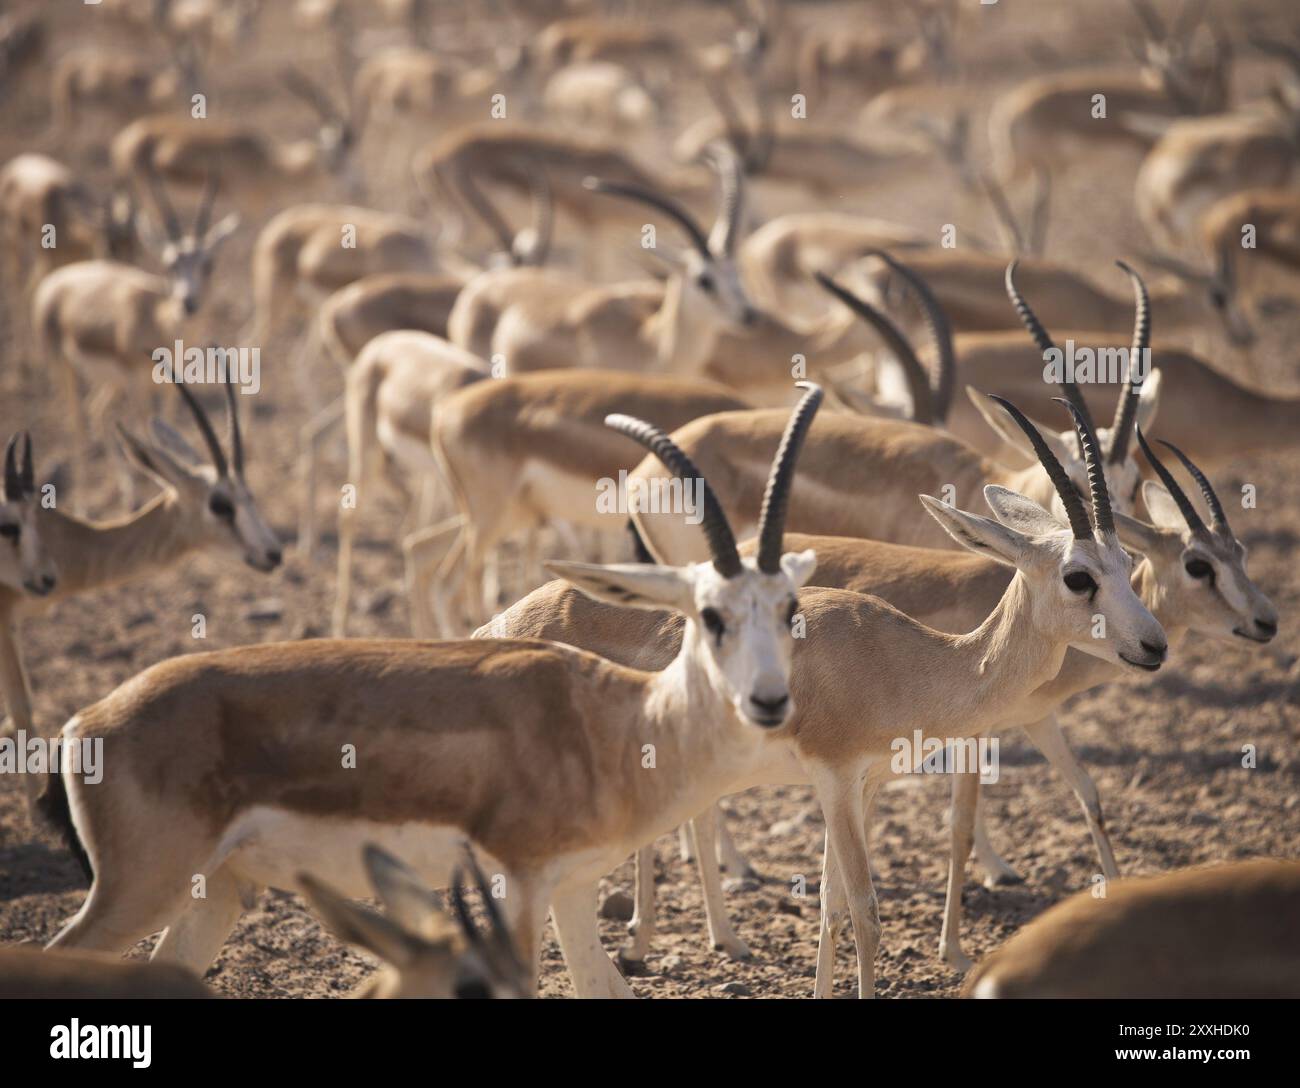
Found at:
<point>199,506</point>
<point>520,452</point>
<point>1031,125</point>
<point>1216,933</point>
<point>103,320</point>
<point>425,953</point>
<point>861,474</point>
<point>1192,579</point>
<point>540,765</point>
<point>29,974</point>
<point>24,567</point>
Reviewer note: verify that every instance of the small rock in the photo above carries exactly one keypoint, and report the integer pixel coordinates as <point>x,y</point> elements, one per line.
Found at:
<point>618,906</point>
<point>669,965</point>
<point>264,611</point>
<point>740,884</point>
<point>734,989</point>
<point>380,603</point>
<point>785,906</point>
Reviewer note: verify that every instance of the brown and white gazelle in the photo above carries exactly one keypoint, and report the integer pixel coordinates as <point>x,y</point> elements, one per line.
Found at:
<point>531,749</point>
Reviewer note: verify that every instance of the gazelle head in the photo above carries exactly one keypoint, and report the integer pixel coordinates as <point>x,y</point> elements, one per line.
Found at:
<point>738,611</point>
<point>23,564</point>
<point>425,953</point>
<point>339,129</point>
<point>1078,578</point>
<point>708,266</point>
<point>1217,287</point>
<point>1194,78</point>
<point>1200,569</point>
<point>187,256</point>
<point>223,510</point>
<point>1137,404</point>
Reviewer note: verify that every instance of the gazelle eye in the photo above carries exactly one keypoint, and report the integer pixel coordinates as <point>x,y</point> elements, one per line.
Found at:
<point>1199,568</point>
<point>705,280</point>
<point>10,532</point>
<point>221,507</point>
<point>1080,581</point>
<point>713,622</point>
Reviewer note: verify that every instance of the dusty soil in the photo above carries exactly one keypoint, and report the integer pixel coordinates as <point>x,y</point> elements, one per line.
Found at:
<point>1166,751</point>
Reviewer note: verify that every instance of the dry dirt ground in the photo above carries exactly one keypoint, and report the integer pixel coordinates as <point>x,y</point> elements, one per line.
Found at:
<point>1166,751</point>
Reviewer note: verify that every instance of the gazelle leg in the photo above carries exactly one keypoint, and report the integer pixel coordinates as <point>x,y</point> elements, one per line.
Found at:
<point>1049,740</point>
<point>309,441</point>
<point>965,795</point>
<point>642,926</point>
<point>573,910</point>
<point>419,550</point>
<point>721,936</point>
<point>834,915</point>
<point>196,937</point>
<point>844,799</point>
<point>729,857</point>
<point>685,844</point>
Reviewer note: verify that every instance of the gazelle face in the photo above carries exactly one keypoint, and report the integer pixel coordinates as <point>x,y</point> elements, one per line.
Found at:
<point>23,564</point>
<point>189,267</point>
<point>231,512</point>
<point>739,626</point>
<point>717,279</point>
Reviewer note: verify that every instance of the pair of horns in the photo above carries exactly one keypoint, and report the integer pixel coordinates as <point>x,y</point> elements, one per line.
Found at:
<point>1218,519</point>
<point>1075,510</point>
<point>210,439</point>
<point>929,405</point>
<point>495,946</point>
<point>726,228</point>
<point>1121,428</point>
<point>20,482</point>
<point>776,498</point>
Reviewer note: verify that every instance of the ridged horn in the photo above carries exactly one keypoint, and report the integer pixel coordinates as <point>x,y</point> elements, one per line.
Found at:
<point>776,499</point>
<point>1075,511</point>
<point>1126,409</point>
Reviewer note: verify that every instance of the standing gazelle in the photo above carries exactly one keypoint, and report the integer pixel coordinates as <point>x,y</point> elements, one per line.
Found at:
<point>533,750</point>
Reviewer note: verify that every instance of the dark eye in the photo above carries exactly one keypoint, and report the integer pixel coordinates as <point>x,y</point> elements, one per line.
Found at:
<point>221,507</point>
<point>1199,568</point>
<point>705,281</point>
<point>713,623</point>
<point>1080,581</point>
<point>10,532</point>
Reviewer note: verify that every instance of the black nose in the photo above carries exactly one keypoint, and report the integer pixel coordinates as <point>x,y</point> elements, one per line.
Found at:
<point>770,707</point>
<point>48,581</point>
<point>273,556</point>
<point>1156,649</point>
<point>1267,627</point>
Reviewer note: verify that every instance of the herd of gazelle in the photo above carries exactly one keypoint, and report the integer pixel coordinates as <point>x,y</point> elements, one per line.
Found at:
<point>691,652</point>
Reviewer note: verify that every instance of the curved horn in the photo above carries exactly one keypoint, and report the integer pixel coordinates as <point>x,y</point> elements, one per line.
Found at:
<point>232,433</point>
<point>204,215</point>
<point>1151,22</point>
<point>13,481</point>
<point>776,499</point>
<point>665,204</point>
<point>1040,335</point>
<point>26,474</point>
<point>1218,519</point>
<point>731,179</point>
<point>205,428</point>
<point>1127,406</point>
<point>939,328</point>
<point>171,223</point>
<point>722,542</point>
<point>1101,512</point>
<point>918,382</point>
<point>1179,496</point>
<point>1075,511</point>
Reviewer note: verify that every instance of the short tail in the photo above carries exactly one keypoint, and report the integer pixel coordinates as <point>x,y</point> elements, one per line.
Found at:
<point>51,811</point>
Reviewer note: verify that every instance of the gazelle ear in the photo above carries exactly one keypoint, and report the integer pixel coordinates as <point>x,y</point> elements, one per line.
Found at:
<point>358,925</point>
<point>634,585</point>
<point>153,460</point>
<point>1012,435</point>
<point>406,898</point>
<point>1020,512</point>
<point>1136,535</point>
<point>799,566</point>
<point>166,435</point>
<point>983,536</point>
<point>221,230</point>
<point>1149,401</point>
<point>1162,508</point>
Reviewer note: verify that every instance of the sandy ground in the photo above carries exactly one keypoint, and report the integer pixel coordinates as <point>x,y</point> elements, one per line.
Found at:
<point>1166,751</point>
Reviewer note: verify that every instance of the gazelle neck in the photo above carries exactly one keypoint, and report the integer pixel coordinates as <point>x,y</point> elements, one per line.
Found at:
<point>90,555</point>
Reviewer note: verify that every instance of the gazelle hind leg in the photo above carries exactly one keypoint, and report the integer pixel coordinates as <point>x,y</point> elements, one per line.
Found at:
<point>965,795</point>
<point>721,936</point>
<point>997,871</point>
<point>728,855</point>
<point>642,926</point>
<point>1049,740</point>
<point>573,910</point>
<point>195,938</point>
<point>834,916</point>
